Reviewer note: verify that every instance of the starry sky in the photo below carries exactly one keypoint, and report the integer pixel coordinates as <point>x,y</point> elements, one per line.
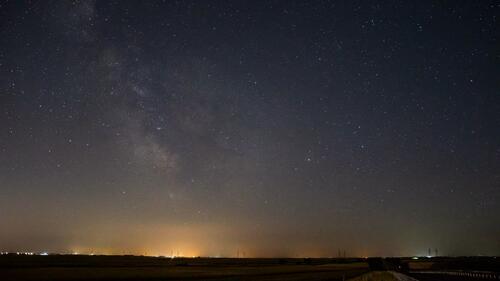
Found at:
<point>255,128</point>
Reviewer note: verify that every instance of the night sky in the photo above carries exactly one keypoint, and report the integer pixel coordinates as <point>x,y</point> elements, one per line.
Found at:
<point>264,128</point>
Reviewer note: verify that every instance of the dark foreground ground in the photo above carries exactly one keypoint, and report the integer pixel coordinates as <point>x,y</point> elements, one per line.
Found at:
<point>135,268</point>
<point>68,267</point>
<point>471,268</point>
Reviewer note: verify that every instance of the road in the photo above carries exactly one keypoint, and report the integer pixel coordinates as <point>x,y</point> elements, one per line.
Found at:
<point>443,277</point>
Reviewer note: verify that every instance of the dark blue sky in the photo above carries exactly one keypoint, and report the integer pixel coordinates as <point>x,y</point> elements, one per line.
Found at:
<point>278,128</point>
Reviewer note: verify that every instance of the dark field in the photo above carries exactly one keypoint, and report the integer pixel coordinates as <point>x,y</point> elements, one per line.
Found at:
<point>80,267</point>
<point>68,267</point>
<point>435,269</point>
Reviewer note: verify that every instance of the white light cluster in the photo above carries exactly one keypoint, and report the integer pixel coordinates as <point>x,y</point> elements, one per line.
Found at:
<point>19,253</point>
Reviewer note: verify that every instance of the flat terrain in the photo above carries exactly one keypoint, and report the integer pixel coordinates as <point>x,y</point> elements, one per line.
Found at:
<point>135,268</point>
<point>149,268</point>
<point>435,266</point>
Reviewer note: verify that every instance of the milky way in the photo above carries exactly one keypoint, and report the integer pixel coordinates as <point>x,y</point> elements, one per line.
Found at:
<point>280,128</point>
